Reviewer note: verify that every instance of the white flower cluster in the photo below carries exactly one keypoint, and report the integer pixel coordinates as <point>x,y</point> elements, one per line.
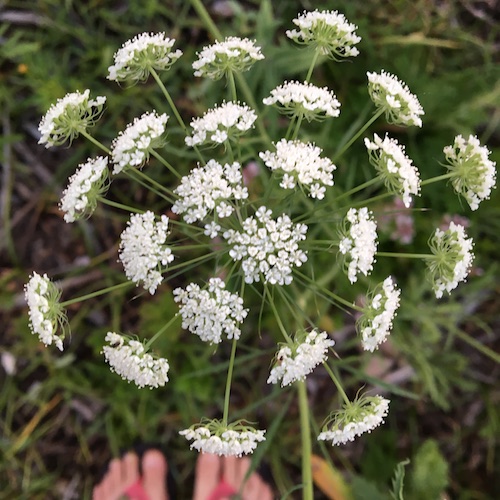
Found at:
<point>231,55</point>
<point>363,416</point>
<point>229,120</point>
<point>268,247</point>
<point>229,442</point>
<point>295,363</point>
<point>452,258</point>
<point>328,31</point>
<point>136,57</point>
<point>128,359</point>
<point>131,148</point>
<point>294,98</point>
<point>44,309</point>
<point>208,188</point>
<point>359,242</point>
<point>474,174</point>
<point>68,117</point>
<point>84,186</point>
<point>400,176</point>
<point>301,163</point>
<point>210,313</point>
<point>394,97</point>
<point>143,250</point>
<point>376,323</point>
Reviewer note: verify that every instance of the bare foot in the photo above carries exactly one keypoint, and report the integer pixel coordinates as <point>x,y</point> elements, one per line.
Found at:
<point>123,474</point>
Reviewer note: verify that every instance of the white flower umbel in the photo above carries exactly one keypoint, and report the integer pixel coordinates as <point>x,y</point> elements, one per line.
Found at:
<point>84,187</point>
<point>230,120</point>
<point>393,96</point>
<point>233,55</point>
<point>209,188</point>
<point>136,58</point>
<point>358,242</point>
<point>304,99</point>
<point>132,146</point>
<point>354,419</point>
<point>328,32</point>
<point>295,362</point>
<point>400,176</point>
<point>69,117</point>
<point>45,312</point>
<point>474,174</point>
<point>301,163</point>
<point>452,258</point>
<point>143,251</point>
<point>212,436</point>
<point>210,313</point>
<point>133,363</point>
<point>375,324</point>
<point>268,247</point>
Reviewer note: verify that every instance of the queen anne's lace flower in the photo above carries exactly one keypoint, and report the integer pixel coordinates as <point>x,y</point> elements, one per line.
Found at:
<point>268,247</point>
<point>138,56</point>
<point>360,416</point>
<point>376,322</point>
<point>474,174</point>
<point>452,258</point>
<point>143,251</point>
<point>85,186</point>
<point>400,176</point>
<point>227,121</point>
<point>231,55</point>
<point>209,188</point>
<point>301,163</point>
<point>133,146</point>
<point>69,117</point>
<point>305,99</point>
<point>359,242</point>
<point>232,440</point>
<point>45,312</point>
<point>296,362</point>
<point>394,97</point>
<point>327,31</point>
<point>210,313</point>
<point>133,363</point>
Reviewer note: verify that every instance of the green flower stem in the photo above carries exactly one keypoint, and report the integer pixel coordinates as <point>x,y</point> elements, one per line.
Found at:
<point>277,316</point>
<point>100,145</point>
<point>311,67</point>
<point>364,203</point>
<point>357,188</point>
<point>438,178</point>
<point>120,205</point>
<point>358,134</point>
<point>290,128</point>
<point>166,163</point>
<point>232,87</point>
<point>149,187</point>
<point>193,247</point>
<point>337,384</point>
<point>227,394</point>
<point>205,17</point>
<point>154,183</point>
<point>196,259</point>
<point>160,331</point>
<point>297,126</point>
<point>305,432</point>
<point>406,255</point>
<point>96,294</point>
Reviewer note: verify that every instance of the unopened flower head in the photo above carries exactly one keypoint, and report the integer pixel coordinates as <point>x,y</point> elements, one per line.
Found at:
<point>230,120</point>
<point>129,359</point>
<point>211,313</point>
<point>400,176</point>
<point>362,415</point>
<point>208,188</point>
<point>133,146</point>
<point>69,117</point>
<point>358,242</point>
<point>45,311</point>
<point>233,55</point>
<point>474,174</point>
<point>143,251</point>
<point>84,188</point>
<point>136,58</point>
<point>212,436</point>
<point>301,163</point>
<point>304,99</point>
<point>375,324</point>
<point>393,96</point>
<point>452,258</point>
<point>295,362</point>
<point>268,247</point>
<point>328,32</point>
